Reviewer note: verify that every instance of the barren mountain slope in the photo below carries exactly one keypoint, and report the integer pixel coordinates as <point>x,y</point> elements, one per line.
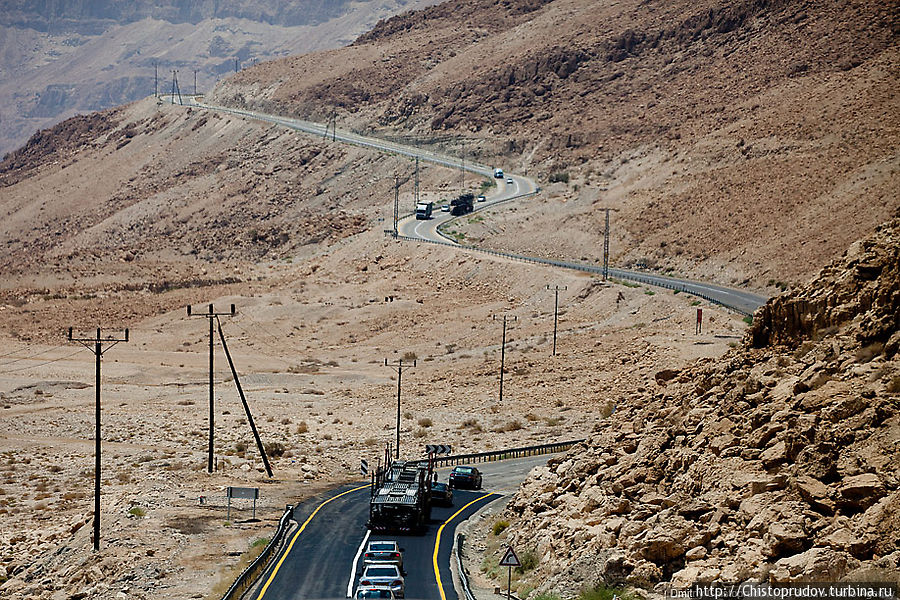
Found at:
<point>777,463</point>
<point>743,142</point>
<point>61,58</point>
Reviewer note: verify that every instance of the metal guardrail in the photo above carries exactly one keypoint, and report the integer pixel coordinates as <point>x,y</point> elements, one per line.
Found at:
<point>647,279</point>
<point>248,577</point>
<point>363,140</point>
<point>460,569</point>
<point>507,454</point>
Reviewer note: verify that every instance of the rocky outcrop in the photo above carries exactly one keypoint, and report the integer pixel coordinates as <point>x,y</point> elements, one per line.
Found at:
<point>774,463</point>
<point>860,288</point>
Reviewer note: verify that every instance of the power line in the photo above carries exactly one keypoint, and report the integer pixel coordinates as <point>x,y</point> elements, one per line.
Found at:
<point>9,362</point>
<point>42,363</point>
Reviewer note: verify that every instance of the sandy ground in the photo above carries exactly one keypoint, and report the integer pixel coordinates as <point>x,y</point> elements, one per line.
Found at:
<point>309,344</point>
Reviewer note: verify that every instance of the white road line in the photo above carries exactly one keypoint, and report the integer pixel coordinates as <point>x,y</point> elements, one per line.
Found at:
<point>355,562</point>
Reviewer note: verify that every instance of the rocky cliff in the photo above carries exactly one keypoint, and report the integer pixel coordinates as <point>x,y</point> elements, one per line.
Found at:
<point>779,462</point>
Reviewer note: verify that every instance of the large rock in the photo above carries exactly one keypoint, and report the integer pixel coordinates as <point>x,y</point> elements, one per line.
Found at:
<point>860,491</point>
<point>816,564</point>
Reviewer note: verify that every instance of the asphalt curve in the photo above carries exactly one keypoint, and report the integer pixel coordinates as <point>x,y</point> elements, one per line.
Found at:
<point>317,562</point>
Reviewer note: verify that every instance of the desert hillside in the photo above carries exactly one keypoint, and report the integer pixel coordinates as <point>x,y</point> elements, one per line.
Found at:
<point>778,462</point>
<point>62,58</point>
<point>744,142</point>
<point>747,143</point>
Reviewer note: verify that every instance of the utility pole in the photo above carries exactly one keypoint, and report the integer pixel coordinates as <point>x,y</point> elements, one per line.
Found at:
<point>556,289</point>
<point>399,366</point>
<point>98,351</point>
<point>175,88</point>
<point>212,415</point>
<point>195,82</point>
<point>396,204</point>
<point>606,244</point>
<point>235,64</point>
<point>417,184</point>
<point>237,382</point>
<point>156,80</point>
<point>503,351</point>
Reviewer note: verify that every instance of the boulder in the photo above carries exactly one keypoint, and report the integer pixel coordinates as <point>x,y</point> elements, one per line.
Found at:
<point>858,492</point>
<point>816,564</point>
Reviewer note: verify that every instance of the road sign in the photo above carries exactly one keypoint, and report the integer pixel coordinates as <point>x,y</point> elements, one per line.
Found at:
<point>510,559</point>
<point>364,466</point>
<point>438,449</point>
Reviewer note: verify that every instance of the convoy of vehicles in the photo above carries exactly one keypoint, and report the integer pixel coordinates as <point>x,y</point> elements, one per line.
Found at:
<point>423,210</point>
<point>465,477</point>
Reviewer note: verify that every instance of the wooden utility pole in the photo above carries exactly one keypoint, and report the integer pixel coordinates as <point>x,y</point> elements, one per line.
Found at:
<point>95,345</point>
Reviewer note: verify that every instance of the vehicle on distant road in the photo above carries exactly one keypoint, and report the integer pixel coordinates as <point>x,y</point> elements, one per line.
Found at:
<point>498,173</point>
<point>445,208</point>
<point>423,210</point>
<point>384,576</point>
<point>462,205</point>
<point>465,477</point>
<point>509,180</point>
<point>441,494</point>
<point>374,592</point>
<point>384,552</point>
<point>481,198</point>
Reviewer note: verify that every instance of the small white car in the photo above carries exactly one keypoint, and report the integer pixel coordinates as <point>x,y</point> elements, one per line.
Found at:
<point>445,208</point>
<point>384,575</point>
<point>481,198</point>
<point>509,180</point>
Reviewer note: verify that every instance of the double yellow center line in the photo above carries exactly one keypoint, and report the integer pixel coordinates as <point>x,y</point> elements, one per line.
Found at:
<point>437,541</point>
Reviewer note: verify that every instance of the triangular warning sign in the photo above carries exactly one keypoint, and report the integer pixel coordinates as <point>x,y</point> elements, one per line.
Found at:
<point>510,559</point>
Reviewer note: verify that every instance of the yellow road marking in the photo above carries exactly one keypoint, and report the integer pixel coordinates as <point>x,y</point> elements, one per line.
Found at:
<point>437,542</point>
<point>262,592</point>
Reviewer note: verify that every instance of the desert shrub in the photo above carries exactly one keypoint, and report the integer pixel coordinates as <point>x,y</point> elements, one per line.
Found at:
<point>137,511</point>
<point>499,527</point>
<point>274,449</point>
<point>553,421</point>
<point>559,176</point>
<point>409,356</point>
<point>425,422</point>
<point>529,561</point>
<point>547,596</point>
<point>302,427</point>
<point>601,592</point>
<point>420,433</point>
<point>240,447</point>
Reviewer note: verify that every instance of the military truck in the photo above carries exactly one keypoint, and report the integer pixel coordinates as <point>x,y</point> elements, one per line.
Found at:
<point>424,209</point>
<point>401,497</point>
<point>464,204</point>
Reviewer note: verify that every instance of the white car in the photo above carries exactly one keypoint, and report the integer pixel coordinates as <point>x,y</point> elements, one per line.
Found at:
<point>509,180</point>
<point>384,575</point>
<point>374,591</point>
<point>384,553</point>
<point>445,208</point>
<point>481,198</point>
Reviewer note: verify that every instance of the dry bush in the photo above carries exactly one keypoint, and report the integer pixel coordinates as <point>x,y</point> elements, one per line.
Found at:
<point>302,427</point>
<point>553,421</point>
<point>409,356</point>
<point>425,422</point>
<point>471,423</point>
<point>420,433</point>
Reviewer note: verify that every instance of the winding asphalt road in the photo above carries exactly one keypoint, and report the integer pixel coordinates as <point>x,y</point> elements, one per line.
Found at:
<point>321,558</point>
<point>739,300</point>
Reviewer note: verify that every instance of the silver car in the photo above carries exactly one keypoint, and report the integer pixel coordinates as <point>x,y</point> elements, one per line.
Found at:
<point>385,553</point>
<point>384,576</point>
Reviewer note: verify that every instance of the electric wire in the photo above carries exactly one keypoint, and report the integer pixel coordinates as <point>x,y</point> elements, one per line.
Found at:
<point>41,363</point>
<point>9,362</point>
